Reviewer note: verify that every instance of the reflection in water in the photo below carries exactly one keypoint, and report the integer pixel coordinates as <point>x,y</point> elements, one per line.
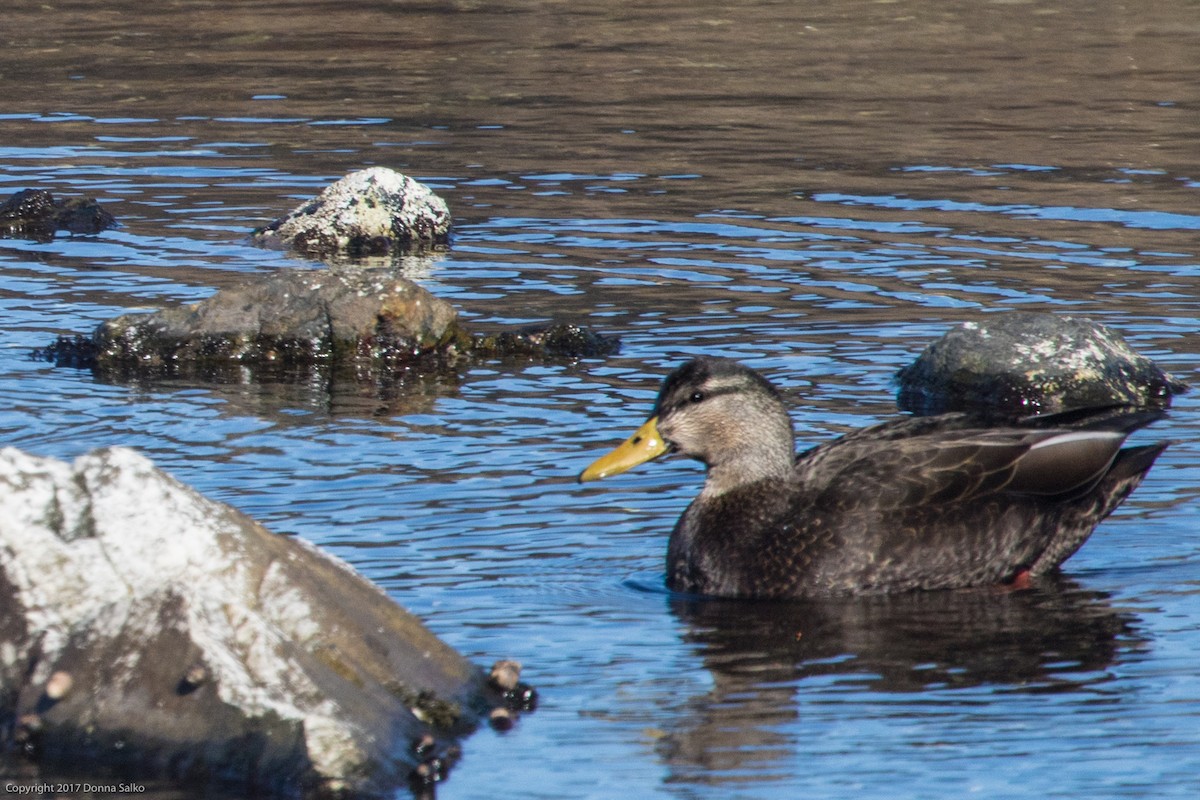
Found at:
<point>1056,637</point>
<point>265,391</point>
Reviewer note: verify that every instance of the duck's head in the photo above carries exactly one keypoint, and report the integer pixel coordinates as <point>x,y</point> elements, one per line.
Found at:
<point>716,411</point>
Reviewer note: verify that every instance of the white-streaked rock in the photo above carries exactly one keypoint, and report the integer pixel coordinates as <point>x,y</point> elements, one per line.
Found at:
<point>369,212</point>
<point>132,584</point>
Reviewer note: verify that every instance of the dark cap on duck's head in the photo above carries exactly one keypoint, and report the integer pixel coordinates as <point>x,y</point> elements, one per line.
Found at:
<point>705,377</point>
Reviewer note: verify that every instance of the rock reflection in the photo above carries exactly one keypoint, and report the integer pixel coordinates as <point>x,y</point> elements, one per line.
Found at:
<point>1053,637</point>
<point>267,392</point>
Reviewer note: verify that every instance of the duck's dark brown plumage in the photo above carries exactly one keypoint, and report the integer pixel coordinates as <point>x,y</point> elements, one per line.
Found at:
<point>917,503</point>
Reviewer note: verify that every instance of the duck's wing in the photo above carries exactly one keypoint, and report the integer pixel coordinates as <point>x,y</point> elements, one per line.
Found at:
<point>896,468</point>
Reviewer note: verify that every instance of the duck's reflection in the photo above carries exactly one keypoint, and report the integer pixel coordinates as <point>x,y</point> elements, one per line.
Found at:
<point>1055,636</point>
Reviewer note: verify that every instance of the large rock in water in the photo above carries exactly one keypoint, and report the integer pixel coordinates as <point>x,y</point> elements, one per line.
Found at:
<point>358,324</point>
<point>287,318</point>
<point>369,212</point>
<point>150,633</point>
<point>1020,363</point>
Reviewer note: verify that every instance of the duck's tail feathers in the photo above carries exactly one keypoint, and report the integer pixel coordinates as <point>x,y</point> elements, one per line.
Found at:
<point>1126,473</point>
<point>1132,462</point>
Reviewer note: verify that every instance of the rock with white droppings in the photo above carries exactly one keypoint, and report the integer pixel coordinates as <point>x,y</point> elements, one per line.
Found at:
<point>149,630</point>
<point>369,212</point>
<point>1020,363</point>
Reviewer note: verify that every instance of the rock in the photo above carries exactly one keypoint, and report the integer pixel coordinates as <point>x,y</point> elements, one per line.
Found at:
<point>149,632</point>
<point>1020,363</point>
<point>37,214</point>
<point>561,340</point>
<point>369,212</point>
<point>361,325</point>
<point>287,318</point>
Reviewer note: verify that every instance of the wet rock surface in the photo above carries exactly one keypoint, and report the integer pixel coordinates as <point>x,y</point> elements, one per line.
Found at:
<point>150,633</point>
<point>560,340</point>
<point>38,215</point>
<point>358,325</point>
<point>369,212</point>
<point>1020,363</point>
<point>289,317</point>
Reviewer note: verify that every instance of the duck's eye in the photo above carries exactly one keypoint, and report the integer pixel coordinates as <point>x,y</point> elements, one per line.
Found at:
<point>696,397</point>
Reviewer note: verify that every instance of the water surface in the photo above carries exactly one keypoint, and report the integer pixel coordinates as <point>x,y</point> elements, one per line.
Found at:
<point>816,189</point>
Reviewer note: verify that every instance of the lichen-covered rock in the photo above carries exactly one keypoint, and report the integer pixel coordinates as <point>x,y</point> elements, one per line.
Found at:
<point>149,632</point>
<point>1023,363</point>
<point>369,212</point>
<point>37,214</point>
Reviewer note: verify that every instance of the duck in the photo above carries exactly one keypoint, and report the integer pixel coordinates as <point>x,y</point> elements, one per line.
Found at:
<point>952,501</point>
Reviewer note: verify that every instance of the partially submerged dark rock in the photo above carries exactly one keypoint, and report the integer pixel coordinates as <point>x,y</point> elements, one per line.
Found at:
<point>1023,363</point>
<point>355,324</point>
<point>558,340</point>
<point>150,633</point>
<point>37,214</point>
<point>286,318</point>
<point>370,212</point>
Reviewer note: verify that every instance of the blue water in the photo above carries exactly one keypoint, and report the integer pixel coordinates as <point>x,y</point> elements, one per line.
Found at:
<point>701,212</point>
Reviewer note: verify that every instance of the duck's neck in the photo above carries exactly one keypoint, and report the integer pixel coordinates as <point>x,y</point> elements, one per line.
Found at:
<point>749,456</point>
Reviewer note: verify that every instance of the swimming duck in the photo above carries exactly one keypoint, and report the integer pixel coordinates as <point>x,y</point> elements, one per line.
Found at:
<point>938,502</point>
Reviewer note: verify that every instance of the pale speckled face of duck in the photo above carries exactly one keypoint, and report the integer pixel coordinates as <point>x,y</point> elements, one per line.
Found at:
<point>718,412</point>
<point>700,408</point>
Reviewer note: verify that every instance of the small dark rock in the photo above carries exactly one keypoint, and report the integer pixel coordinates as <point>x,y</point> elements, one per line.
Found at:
<point>1020,363</point>
<point>554,341</point>
<point>29,207</point>
<point>521,697</point>
<point>83,215</point>
<point>573,341</point>
<point>501,719</point>
<point>37,214</point>
<point>77,352</point>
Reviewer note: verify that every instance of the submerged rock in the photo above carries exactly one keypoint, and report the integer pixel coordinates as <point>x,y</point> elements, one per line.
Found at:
<point>559,340</point>
<point>151,633</point>
<point>1023,363</point>
<point>355,324</point>
<point>369,212</point>
<point>37,214</point>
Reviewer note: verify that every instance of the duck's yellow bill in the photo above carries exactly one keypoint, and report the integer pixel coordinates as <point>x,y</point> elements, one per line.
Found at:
<point>644,445</point>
